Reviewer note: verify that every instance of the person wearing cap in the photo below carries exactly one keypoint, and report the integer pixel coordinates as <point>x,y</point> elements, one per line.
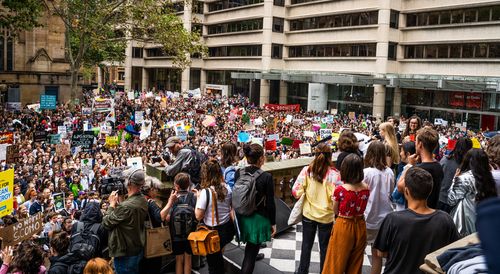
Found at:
<point>125,224</point>
<point>183,156</point>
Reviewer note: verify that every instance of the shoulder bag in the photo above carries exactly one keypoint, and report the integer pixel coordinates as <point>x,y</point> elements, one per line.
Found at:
<point>296,214</point>
<point>158,241</point>
<point>205,241</point>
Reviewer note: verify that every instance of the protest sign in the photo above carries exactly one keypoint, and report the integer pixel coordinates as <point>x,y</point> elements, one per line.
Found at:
<point>86,111</point>
<point>316,127</point>
<point>209,121</point>
<point>6,192</point>
<point>288,119</point>
<point>296,144</point>
<point>243,137</point>
<point>58,201</point>
<point>308,133</point>
<point>48,102</point>
<point>12,106</point>
<point>34,107</point>
<point>130,95</point>
<point>305,148</point>
<point>105,129</point>
<point>475,143</point>
<point>335,136</point>
<point>181,133</point>
<point>273,137</point>
<point>3,151</point>
<point>135,162</point>
<point>297,122</point>
<point>86,166</point>
<point>22,230</point>
<point>352,115</point>
<point>333,111</point>
<point>323,133</point>
<point>54,139</point>
<point>6,138</point>
<point>112,141</point>
<point>102,104</point>
<point>259,141</point>
<point>83,139</point>
<point>61,130</point>
<point>40,136</point>
<point>63,149</point>
<point>139,116</point>
<point>12,154</point>
<point>146,129</point>
<point>276,107</point>
<point>258,122</point>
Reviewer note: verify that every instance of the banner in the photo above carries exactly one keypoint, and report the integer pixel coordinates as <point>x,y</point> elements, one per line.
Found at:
<point>48,102</point>
<point>276,107</point>
<point>22,230</point>
<point>6,138</point>
<point>102,104</point>
<point>83,139</point>
<point>472,100</point>
<point>6,192</point>
<point>40,136</point>
<point>86,111</point>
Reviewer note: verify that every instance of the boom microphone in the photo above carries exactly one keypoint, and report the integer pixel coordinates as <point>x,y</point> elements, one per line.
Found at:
<point>328,138</point>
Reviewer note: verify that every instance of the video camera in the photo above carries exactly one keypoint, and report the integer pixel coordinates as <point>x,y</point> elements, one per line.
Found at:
<point>111,184</point>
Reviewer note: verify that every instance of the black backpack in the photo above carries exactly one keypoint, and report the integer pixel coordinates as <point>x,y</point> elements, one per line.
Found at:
<point>85,243</point>
<point>182,219</point>
<point>75,266</point>
<point>193,168</point>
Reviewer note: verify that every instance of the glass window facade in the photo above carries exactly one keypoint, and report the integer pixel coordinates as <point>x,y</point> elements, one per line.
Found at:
<point>278,24</point>
<point>336,50</point>
<point>137,52</point>
<point>276,51</point>
<point>443,51</point>
<point>229,4</point>
<point>237,26</point>
<point>453,16</point>
<point>350,93</point>
<point>229,51</point>
<point>335,21</point>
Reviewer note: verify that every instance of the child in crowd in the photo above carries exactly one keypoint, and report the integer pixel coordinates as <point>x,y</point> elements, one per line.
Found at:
<point>348,240</point>
<point>397,197</point>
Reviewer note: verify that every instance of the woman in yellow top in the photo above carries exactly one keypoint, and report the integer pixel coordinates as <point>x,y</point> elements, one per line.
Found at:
<point>317,181</point>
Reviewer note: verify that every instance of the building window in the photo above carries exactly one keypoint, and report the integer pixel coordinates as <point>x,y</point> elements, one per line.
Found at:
<point>197,7</point>
<point>278,24</point>
<point>6,53</point>
<point>337,50</point>
<point>453,16</point>
<point>237,26</point>
<point>393,51</point>
<point>198,28</point>
<point>454,51</point>
<point>121,75</point>
<point>280,3</point>
<point>394,20</point>
<point>230,51</point>
<point>229,4</point>
<point>276,51</point>
<point>137,52</point>
<point>157,52</point>
<point>335,21</point>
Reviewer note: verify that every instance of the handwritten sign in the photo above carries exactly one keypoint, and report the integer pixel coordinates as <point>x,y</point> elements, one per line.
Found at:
<point>323,133</point>
<point>83,139</point>
<point>24,229</point>
<point>40,136</point>
<point>6,192</point>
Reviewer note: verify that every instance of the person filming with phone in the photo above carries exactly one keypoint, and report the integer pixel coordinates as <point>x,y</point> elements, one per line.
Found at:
<point>125,223</point>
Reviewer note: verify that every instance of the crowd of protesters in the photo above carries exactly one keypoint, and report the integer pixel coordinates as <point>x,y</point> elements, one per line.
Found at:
<point>398,185</point>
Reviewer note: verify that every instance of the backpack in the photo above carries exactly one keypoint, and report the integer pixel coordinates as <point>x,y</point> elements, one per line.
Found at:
<point>182,218</point>
<point>75,267</point>
<point>229,174</point>
<point>193,168</point>
<point>85,243</point>
<point>245,193</point>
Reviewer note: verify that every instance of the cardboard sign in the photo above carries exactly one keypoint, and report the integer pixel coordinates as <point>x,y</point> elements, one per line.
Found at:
<point>308,133</point>
<point>305,148</point>
<point>48,102</point>
<point>24,229</point>
<point>135,162</point>
<point>40,136</point>
<point>6,192</point>
<point>7,138</point>
<point>83,139</point>
<point>12,154</point>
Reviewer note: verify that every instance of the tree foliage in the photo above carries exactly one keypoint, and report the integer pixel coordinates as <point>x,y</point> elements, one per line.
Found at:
<point>18,15</point>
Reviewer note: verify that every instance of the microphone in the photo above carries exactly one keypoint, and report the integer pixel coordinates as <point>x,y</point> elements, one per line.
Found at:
<point>328,138</point>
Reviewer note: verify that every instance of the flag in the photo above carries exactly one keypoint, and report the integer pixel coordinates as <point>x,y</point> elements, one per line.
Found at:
<point>271,145</point>
<point>296,144</point>
<point>111,116</point>
<point>286,141</point>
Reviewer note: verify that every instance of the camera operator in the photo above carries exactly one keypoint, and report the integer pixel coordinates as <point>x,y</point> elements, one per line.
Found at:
<point>125,223</point>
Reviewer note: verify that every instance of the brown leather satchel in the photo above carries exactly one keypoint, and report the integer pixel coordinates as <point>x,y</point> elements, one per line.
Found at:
<point>205,241</point>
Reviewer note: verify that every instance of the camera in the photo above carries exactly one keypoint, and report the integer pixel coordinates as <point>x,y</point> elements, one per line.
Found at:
<point>111,184</point>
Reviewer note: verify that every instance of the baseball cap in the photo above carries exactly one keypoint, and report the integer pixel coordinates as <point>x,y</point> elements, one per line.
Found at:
<point>171,141</point>
<point>135,176</point>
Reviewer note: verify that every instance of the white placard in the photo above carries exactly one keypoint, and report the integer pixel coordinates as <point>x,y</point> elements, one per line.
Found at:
<point>305,148</point>
<point>139,117</point>
<point>308,133</point>
<point>135,162</point>
<point>323,133</point>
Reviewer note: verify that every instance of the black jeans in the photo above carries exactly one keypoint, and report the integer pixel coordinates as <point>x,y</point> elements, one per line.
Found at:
<point>251,252</point>
<point>309,228</point>
<point>216,261</point>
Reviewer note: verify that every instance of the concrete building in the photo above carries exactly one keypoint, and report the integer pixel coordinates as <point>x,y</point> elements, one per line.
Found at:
<point>33,63</point>
<point>439,59</point>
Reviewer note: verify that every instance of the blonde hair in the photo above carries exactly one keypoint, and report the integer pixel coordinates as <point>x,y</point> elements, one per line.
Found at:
<point>97,266</point>
<point>390,139</point>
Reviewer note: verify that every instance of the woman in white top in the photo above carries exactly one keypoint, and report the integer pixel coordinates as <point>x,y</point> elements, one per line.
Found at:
<point>380,180</point>
<point>220,219</point>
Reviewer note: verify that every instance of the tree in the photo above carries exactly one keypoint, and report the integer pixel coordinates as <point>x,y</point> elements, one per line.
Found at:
<point>98,30</point>
<point>18,15</point>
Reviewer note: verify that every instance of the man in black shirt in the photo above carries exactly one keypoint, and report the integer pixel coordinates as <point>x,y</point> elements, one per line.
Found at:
<point>425,143</point>
<point>406,237</point>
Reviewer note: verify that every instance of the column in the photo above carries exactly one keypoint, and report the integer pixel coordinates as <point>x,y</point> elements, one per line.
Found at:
<point>264,92</point>
<point>186,18</point>
<point>283,92</point>
<point>99,77</point>
<point>203,80</point>
<point>396,106</point>
<point>378,101</point>
<point>145,79</point>
<point>128,67</point>
<point>185,79</point>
